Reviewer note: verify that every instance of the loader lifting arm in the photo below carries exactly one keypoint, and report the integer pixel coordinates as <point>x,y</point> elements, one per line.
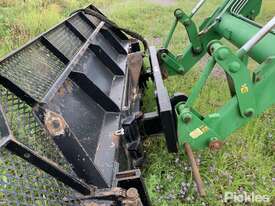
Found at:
<point>251,94</point>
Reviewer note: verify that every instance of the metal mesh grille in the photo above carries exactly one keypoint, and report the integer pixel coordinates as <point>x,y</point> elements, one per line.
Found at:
<point>20,182</point>
<point>65,41</point>
<point>34,69</point>
<point>82,26</point>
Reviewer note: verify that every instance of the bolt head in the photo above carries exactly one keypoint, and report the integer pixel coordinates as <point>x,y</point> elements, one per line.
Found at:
<point>27,155</point>
<point>215,145</point>
<point>163,55</point>
<point>197,50</point>
<point>249,112</point>
<point>223,53</point>
<point>187,118</point>
<point>234,67</point>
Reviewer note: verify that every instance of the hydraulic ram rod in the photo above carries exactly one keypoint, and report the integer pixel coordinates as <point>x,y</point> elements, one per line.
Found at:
<point>259,36</point>
<point>197,8</point>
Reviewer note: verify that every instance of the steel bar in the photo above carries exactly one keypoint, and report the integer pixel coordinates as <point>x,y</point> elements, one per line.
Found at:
<point>151,124</point>
<point>195,170</point>
<point>259,36</point>
<point>48,166</point>
<point>197,7</point>
<point>201,82</point>
<point>164,104</point>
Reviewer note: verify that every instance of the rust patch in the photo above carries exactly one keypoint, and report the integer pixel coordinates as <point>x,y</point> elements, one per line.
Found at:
<point>215,145</point>
<point>61,91</point>
<point>126,175</point>
<point>117,191</point>
<point>55,124</point>
<point>135,62</point>
<point>115,139</point>
<point>67,87</point>
<point>128,198</point>
<point>132,198</point>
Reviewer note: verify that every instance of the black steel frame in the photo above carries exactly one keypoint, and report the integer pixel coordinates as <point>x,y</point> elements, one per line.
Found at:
<point>86,170</point>
<point>9,142</point>
<point>165,109</point>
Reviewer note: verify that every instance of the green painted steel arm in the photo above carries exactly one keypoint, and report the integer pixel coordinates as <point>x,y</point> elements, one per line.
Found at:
<point>251,94</point>
<point>250,98</point>
<point>200,131</point>
<point>199,39</point>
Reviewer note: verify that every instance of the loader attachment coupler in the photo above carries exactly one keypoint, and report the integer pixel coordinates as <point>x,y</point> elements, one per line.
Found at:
<point>80,82</point>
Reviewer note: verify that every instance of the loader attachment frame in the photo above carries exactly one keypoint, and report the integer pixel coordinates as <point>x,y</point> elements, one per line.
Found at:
<point>80,82</point>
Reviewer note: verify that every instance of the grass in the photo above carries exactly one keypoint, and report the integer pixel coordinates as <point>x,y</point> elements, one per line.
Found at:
<point>245,163</point>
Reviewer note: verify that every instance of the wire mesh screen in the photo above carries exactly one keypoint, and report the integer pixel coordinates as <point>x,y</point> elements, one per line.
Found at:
<point>20,182</point>
<point>34,69</point>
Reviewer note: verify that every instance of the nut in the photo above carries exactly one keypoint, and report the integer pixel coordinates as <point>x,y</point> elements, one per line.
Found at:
<point>215,145</point>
